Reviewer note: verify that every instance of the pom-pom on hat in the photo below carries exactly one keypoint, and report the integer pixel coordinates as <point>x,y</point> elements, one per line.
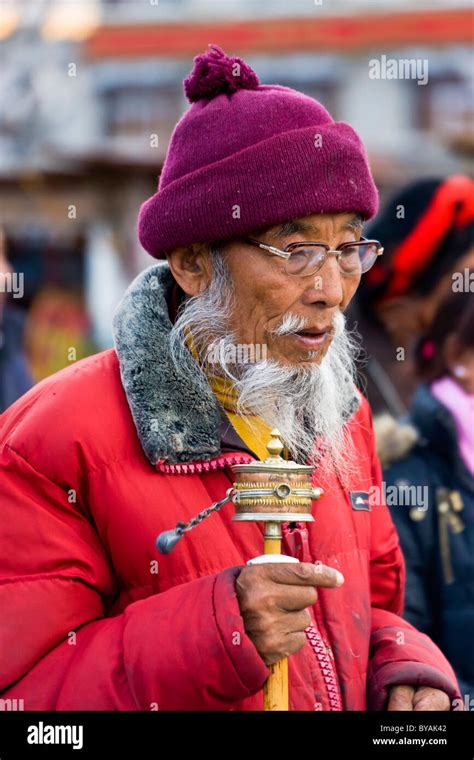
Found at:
<point>246,156</point>
<point>215,73</point>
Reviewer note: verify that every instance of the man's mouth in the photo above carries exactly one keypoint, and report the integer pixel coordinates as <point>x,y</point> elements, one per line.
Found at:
<point>313,338</point>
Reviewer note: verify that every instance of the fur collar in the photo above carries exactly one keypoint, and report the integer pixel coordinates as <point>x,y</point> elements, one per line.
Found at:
<point>176,414</point>
<point>394,438</point>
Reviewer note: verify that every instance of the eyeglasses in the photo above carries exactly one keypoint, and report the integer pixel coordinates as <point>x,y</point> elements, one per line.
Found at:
<point>304,259</point>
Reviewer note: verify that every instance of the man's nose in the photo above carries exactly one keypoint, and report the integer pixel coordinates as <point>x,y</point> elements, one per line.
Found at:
<point>326,286</point>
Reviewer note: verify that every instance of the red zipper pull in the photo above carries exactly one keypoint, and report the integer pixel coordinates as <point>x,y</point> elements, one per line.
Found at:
<point>296,541</point>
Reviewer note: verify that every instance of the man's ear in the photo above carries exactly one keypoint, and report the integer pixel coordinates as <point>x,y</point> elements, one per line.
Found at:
<point>191,267</point>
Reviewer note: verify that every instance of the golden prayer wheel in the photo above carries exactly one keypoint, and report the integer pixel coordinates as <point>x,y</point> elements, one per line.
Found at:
<point>273,491</point>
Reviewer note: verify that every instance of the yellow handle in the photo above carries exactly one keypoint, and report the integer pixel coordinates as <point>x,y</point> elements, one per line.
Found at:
<point>275,690</point>
<point>272,545</point>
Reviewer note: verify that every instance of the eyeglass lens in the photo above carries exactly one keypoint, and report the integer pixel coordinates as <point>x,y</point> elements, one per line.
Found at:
<point>354,259</point>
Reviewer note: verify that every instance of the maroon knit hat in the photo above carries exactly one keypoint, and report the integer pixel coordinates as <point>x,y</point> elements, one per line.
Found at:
<point>246,156</point>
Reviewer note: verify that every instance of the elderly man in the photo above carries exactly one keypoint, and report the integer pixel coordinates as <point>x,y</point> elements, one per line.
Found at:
<point>259,213</point>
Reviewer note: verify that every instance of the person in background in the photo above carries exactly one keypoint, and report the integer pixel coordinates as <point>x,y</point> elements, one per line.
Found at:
<point>427,232</point>
<point>430,462</point>
<point>15,378</point>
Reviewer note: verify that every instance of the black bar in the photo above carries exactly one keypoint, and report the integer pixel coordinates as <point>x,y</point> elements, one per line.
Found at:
<point>153,735</point>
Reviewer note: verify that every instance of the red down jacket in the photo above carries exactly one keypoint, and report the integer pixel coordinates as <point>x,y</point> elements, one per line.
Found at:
<point>88,621</point>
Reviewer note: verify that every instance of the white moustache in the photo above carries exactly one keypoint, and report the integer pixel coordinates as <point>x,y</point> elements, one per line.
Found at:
<point>293,323</point>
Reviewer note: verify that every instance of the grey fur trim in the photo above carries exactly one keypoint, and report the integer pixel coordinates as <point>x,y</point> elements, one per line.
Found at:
<point>176,413</point>
<point>394,438</point>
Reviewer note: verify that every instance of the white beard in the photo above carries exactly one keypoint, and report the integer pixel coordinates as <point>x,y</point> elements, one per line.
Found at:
<point>302,401</point>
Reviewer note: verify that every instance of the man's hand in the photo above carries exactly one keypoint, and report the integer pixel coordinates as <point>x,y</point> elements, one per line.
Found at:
<point>422,698</point>
<point>273,599</point>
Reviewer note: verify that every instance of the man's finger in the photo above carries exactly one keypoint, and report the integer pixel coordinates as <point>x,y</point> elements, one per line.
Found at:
<point>426,699</point>
<point>401,698</point>
<point>305,574</point>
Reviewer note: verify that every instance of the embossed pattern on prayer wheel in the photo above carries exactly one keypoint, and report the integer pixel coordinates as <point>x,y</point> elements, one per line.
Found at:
<point>274,489</point>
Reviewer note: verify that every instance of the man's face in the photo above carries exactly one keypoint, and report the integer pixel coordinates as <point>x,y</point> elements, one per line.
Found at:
<point>240,296</point>
<point>265,294</point>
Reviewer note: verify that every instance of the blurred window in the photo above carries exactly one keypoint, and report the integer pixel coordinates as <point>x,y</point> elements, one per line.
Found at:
<point>446,106</point>
<point>131,110</point>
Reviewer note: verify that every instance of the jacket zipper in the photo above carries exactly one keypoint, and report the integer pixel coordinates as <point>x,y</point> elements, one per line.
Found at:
<point>448,521</point>
<point>219,462</point>
<point>316,633</point>
<point>192,468</point>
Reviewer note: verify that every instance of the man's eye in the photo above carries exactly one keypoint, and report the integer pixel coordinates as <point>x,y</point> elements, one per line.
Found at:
<point>311,250</point>
<point>300,253</point>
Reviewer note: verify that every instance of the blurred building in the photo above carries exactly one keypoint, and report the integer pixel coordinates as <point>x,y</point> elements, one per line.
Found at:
<point>142,50</point>
<point>90,92</point>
